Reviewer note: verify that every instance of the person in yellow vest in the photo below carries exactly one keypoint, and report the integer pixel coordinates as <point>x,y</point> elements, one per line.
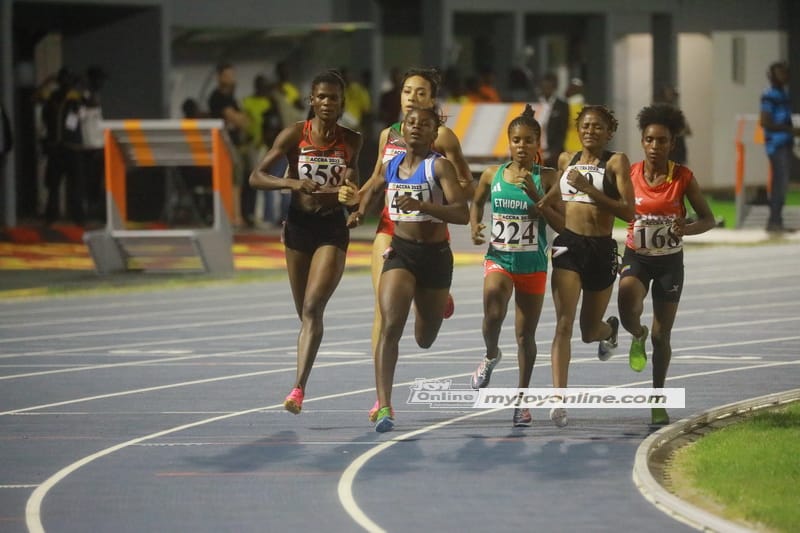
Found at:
<point>357,103</point>
<point>255,106</point>
<point>575,101</point>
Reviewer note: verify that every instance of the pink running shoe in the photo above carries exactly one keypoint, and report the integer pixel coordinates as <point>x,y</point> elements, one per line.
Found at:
<point>373,413</point>
<point>450,308</point>
<point>294,402</point>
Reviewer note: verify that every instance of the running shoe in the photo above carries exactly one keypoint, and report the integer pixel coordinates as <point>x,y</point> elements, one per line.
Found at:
<point>637,356</point>
<point>294,402</point>
<point>606,347</point>
<point>659,416</point>
<point>559,416</point>
<point>522,417</point>
<point>385,420</point>
<point>373,413</point>
<point>450,308</point>
<point>482,374</point>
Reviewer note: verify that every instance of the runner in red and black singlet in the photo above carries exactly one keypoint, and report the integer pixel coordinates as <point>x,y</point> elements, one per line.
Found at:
<point>654,244</point>
<point>323,156</point>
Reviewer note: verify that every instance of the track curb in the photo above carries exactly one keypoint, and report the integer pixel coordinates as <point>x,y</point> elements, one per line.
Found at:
<point>647,457</point>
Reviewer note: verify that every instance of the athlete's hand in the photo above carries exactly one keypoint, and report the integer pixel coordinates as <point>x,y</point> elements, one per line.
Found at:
<point>578,181</point>
<point>408,203</point>
<point>477,233</point>
<point>348,193</point>
<point>354,219</point>
<point>306,186</point>
<point>679,226</point>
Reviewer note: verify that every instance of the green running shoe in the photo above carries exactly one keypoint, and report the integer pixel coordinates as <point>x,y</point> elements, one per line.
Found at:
<point>659,416</point>
<point>637,357</point>
<point>385,420</point>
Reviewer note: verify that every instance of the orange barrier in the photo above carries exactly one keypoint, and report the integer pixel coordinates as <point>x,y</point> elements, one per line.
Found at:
<point>164,143</point>
<point>482,129</point>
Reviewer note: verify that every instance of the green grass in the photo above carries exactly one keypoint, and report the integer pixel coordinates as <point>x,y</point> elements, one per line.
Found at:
<point>751,468</point>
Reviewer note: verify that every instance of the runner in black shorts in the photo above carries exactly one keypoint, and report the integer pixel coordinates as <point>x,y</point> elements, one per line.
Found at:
<point>305,232</point>
<point>322,156</point>
<point>595,187</point>
<point>654,244</point>
<point>422,195</point>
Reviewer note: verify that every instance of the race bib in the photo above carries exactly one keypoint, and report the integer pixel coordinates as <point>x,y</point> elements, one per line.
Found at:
<point>327,171</point>
<point>653,235</point>
<point>514,233</point>
<point>395,190</point>
<point>593,174</point>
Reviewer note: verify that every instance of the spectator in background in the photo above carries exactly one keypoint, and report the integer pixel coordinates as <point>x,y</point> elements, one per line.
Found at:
<point>519,85</point>
<point>287,96</point>
<point>222,104</point>
<point>554,120</point>
<point>254,106</point>
<point>472,89</point>
<point>6,138</point>
<point>357,103</point>
<point>389,107</point>
<point>575,102</point>
<point>776,119</point>
<point>669,95</point>
<point>63,143</point>
<point>453,87</point>
<point>93,161</point>
<point>486,86</point>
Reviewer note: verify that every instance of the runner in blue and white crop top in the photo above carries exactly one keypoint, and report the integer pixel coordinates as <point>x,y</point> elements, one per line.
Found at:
<point>422,185</point>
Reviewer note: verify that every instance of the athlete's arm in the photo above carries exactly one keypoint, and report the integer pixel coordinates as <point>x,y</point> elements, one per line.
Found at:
<point>287,140</point>
<point>448,145</point>
<point>705,220</point>
<point>553,212</point>
<point>373,187</point>
<point>482,193</point>
<point>355,141</point>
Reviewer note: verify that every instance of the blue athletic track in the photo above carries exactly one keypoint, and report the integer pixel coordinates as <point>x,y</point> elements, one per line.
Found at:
<point>162,411</point>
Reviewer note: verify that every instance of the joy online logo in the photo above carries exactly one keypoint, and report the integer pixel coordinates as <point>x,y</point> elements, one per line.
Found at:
<point>441,393</point>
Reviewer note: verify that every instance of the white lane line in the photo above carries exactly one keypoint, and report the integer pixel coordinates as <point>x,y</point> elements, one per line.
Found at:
<point>345,486</point>
<point>165,327</point>
<point>293,368</point>
<point>18,486</point>
<point>686,298</point>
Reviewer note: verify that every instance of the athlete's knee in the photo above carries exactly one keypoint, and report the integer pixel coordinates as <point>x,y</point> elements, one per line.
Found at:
<point>313,309</point>
<point>425,339</point>
<point>564,327</point>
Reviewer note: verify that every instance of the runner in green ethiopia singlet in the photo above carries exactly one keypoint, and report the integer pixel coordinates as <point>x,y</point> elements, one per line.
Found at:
<point>518,242</point>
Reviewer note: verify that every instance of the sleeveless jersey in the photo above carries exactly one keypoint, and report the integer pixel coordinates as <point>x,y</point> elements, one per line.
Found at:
<point>395,144</point>
<point>325,165</point>
<point>657,207</point>
<point>421,184</point>
<point>596,174</point>
<point>518,242</point>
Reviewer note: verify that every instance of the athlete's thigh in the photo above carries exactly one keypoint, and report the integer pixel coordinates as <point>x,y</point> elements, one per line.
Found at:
<point>396,292</point>
<point>325,272</point>
<point>566,288</point>
<point>379,246</point>
<point>498,287</point>
<point>430,304</point>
